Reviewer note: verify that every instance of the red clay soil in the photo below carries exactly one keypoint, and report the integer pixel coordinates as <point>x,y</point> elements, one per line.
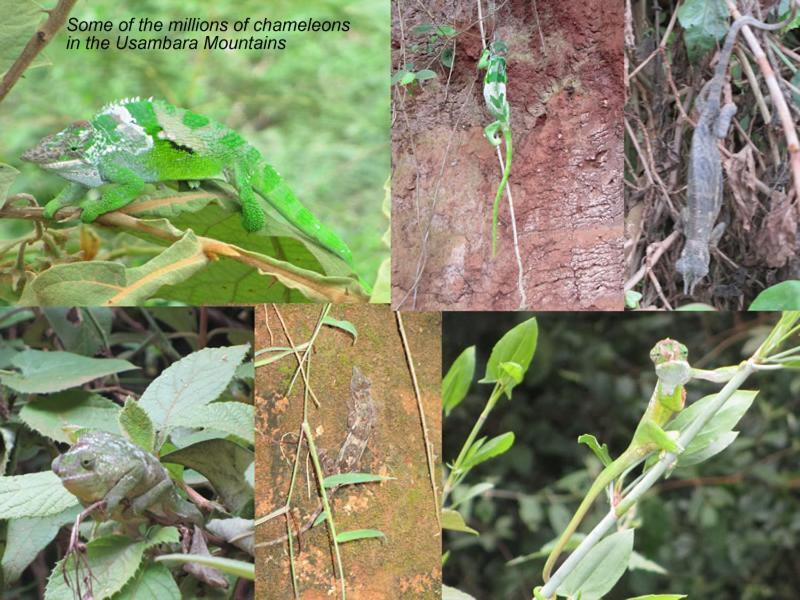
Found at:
<point>566,176</point>
<point>406,564</point>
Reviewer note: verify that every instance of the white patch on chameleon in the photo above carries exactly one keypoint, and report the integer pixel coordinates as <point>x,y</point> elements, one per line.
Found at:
<point>136,139</point>
<point>77,171</point>
<point>494,89</point>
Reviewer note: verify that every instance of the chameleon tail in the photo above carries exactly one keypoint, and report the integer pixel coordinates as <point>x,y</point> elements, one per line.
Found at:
<point>499,194</point>
<point>609,474</point>
<point>271,186</point>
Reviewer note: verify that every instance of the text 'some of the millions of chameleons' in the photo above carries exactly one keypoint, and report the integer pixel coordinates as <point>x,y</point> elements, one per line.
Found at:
<point>193,33</point>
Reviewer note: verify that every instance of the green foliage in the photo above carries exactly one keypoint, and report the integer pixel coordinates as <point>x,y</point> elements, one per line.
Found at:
<point>407,75</point>
<point>632,299</point>
<point>48,396</point>
<point>732,515</point>
<point>114,560</point>
<point>456,383</point>
<point>781,296</point>
<point>506,368</point>
<point>47,372</point>
<point>20,18</point>
<point>601,568</point>
<point>704,23</point>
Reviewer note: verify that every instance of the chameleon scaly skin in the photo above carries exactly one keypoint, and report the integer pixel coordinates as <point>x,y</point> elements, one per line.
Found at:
<point>133,142</point>
<point>669,396</point>
<point>133,483</point>
<point>493,60</point>
<point>704,184</point>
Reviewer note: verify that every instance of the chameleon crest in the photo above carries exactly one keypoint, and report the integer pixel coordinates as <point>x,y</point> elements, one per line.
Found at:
<point>133,142</point>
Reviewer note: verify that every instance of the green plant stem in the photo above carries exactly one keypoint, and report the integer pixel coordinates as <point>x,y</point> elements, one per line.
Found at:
<point>325,504</point>
<point>454,476</point>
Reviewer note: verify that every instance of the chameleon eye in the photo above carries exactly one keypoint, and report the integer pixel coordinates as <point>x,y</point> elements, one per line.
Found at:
<point>87,463</point>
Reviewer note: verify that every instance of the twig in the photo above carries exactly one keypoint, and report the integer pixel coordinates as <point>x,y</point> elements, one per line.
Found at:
<point>428,446</point>
<point>326,505</point>
<point>56,19</point>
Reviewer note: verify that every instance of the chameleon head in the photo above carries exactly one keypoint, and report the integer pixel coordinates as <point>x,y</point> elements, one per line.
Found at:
<point>64,150</point>
<point>668,350</point>
<point>693,264</point>
<point>90,468</point>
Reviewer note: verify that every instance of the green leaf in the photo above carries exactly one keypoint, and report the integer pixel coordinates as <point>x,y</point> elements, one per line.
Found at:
<point>398,75</point>
<point>358,534</point>
<point>455,384</point>
<point>98,282</point>
<point>30,535</point>
<point>423,28</point>
<point>517,345</point>
<point>237,568</point>
<point>601,568</point>
<point>425,74</point>
<point>113,561</point>
<point>712,438</point>
<point>446,31</point>
<point>714,447</point>
<point>696,307</point>
<point>137,426</point>
<point>494,447</point>
<point>236,531</point>
<point>660,597</point>
<point>407,78</point>
<point>224,464</point>
<point>47,372</point>
<point>234,418</point>
<point>704,22</point>
<point>600,451</point>
<point>475,490</point>
<point>20,20</point>
<point>153,582</point>
<point>782,296</point>
<point>632,299</point>
<point>33,495</point>
<point>81,330</point>
<point>352,478</point>
<point>343,325</point>
<point>7,173</point>
<point>513,372</point>
<point>447,58</point>
<point>449,593</point>
<point>452,520</point>
<point>188,385</point>
<point>303,270</point>
<point>53,415</point>
<point>641,563</point>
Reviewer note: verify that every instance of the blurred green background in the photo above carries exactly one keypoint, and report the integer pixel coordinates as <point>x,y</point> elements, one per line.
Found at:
<point>727,528</point>
<point>318,110</point>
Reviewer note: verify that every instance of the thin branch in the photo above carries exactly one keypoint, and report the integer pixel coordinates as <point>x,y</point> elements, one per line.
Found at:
<point>418,396</point>
<point>40,39</point>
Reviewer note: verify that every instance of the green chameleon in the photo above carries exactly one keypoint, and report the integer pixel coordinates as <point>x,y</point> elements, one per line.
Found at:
<point>493,60</point>
<point>669,396</point>
<point>133,142</point>
<point>132,482</point>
